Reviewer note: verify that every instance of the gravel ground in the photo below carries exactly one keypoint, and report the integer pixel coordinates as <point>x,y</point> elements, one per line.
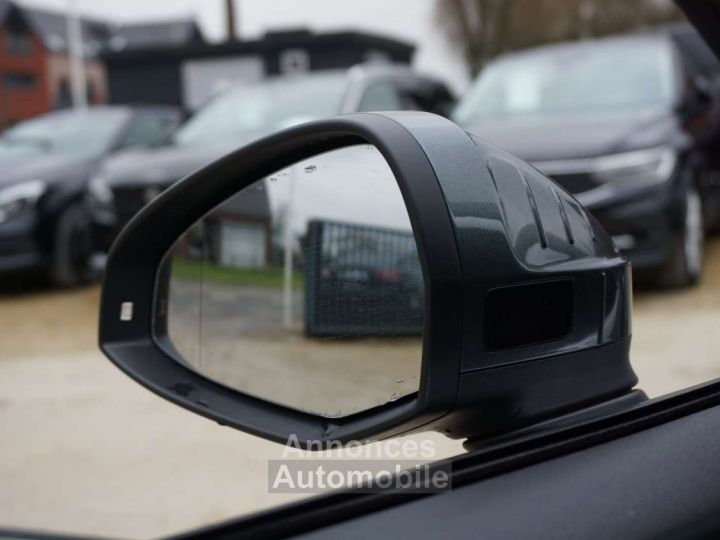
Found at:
<point>85,450</point>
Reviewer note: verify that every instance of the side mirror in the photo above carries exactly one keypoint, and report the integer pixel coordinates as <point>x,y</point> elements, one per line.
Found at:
<point>703,88</point>
<point>698,96</point>
<point>368,276</point>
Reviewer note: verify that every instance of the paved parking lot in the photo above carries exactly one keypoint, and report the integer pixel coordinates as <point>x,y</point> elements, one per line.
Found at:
<point>85,450</point>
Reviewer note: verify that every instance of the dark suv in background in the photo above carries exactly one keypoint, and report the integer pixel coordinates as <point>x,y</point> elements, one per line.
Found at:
<point>629,125</point>
<point>45,164</point>
<point>129,180</point>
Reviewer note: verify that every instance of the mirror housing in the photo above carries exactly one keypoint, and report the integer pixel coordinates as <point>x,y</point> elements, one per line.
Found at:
<point>697,97</point>
<point>527,301</point>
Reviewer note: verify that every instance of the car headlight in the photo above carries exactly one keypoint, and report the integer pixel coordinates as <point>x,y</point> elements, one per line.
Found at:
<point>649,166</point>
<point>639,167</point>
<point>17,198</point>
<point>100,190</point>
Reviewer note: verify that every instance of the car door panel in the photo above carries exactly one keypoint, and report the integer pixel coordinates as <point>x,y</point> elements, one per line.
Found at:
<point>657,460</point>
<point>646,485</point>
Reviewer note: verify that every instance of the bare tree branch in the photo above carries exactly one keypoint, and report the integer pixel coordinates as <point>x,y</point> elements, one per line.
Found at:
<point>482,29</point>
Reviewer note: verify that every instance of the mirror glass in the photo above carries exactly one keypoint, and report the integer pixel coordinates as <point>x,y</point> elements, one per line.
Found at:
<point>304,289</point>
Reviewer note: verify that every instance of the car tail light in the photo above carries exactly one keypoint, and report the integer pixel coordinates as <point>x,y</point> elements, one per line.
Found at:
<point>386,274</point>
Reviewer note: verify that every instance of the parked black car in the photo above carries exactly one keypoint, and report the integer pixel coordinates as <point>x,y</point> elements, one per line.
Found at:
<point>629,125</point>
<point>45,164</point>
<point>129,180</point>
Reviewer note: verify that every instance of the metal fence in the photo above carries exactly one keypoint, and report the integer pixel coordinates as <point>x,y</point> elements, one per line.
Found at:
<point>361,281</point>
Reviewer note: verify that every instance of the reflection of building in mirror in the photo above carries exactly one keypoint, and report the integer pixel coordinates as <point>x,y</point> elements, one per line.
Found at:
<point>237,234</point>
<point>240,231</point>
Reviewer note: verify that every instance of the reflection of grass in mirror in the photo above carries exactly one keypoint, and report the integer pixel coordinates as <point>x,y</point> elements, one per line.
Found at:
<point>258,277</point>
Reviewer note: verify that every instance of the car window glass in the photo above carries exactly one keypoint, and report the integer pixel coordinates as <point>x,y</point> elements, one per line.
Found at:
<point>80,133</point>
<point>383,96</point>
<point>427,96</point>
<point>599,78</point>
<point>148,130</point>
<point>253,110</point>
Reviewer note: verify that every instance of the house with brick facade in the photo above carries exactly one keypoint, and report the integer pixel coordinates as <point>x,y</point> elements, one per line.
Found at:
<point>35,64</point>
<point>24,88</point>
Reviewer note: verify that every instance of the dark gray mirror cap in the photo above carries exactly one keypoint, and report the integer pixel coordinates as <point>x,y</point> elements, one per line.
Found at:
<point>527,302</point>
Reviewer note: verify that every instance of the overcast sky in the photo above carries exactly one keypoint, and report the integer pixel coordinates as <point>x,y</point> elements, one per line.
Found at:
<point>412,20</point>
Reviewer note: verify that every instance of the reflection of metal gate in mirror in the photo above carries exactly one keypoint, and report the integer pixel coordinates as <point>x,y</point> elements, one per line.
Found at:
<point>363,281</point>
<point>305,288</point>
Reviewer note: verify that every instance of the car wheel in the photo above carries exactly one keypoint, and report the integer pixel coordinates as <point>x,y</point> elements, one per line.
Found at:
<point>684,267</point>
<point>72,248</point>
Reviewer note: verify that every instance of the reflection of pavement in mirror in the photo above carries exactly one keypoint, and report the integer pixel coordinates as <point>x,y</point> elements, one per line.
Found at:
<point>233,310</point>
<point>184,324</point>
<point>246,347</point>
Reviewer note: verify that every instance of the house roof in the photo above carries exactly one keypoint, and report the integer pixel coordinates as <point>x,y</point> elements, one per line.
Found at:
<point>250,203</point>
<point>271,41</point>
<point>51,28</point>
<point>100,35</point>
<point>158,34</point>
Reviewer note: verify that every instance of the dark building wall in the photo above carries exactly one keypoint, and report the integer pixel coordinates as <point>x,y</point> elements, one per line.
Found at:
<point>151,82</point>
<point>325,58</point>
<point>155,76</point>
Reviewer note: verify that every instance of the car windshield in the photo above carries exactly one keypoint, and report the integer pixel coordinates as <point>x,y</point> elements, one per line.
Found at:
<point>264,107</point>
<point>592,77</point>
<point>86,133</point>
